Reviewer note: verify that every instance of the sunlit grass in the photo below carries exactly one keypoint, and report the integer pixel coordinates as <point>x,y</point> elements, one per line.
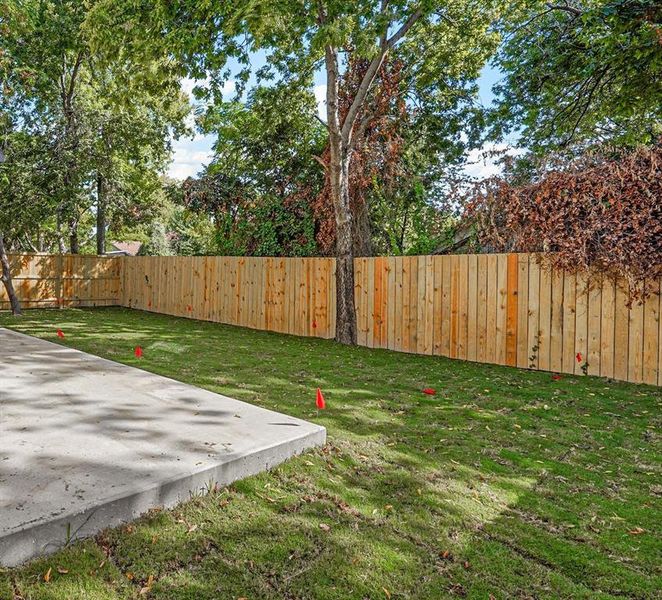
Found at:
<point>505,483</point>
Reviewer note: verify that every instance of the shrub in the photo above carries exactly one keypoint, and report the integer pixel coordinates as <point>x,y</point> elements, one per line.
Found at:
<point>600,213</point>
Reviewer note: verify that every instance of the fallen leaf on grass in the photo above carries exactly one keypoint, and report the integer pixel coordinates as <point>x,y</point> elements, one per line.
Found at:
<point>47,575</point>
<point>324,527</point>
<point>148,586</point>
<point>388,594</point>
<point>62,571</point>
<point>636,531</point>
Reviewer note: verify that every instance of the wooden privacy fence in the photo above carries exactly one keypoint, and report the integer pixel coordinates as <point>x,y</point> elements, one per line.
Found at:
<point>506,309</point>
<point>288,295</point>
<point>497,308</point>
<point>43,281</point>
<point>491,308</point>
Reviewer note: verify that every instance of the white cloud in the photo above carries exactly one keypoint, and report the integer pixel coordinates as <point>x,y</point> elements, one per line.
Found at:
<point>320,96</point>
<point>482,162</point>
<point>190,156</point>
<point>228,89</point>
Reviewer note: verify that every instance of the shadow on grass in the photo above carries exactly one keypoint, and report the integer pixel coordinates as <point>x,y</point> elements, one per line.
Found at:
<point>501,484</point>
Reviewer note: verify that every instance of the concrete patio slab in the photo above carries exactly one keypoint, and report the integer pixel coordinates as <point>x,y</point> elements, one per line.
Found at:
<point>87,443</point>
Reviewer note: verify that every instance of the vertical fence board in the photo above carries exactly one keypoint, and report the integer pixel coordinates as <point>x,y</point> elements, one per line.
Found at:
<point>359,300</point>
<point>607,324</point>
<point>481,325</point>
<point>421,314</point>
<point>399,309</point>
<point>569,312</point>
<point>522,310</point>
<point>454,292</point>
<point>414,301</point>
<point>446,304</point>
<point>370,303</point>
<point>406,303</point>
<point>492,302</point>
<point>463,307</point>
<point>581,322</point>
<point>651,333</point>
<point>556,322</point>
<point>544,319</point>
<point>472,297</point>
<point>512,309</point>
<point>636,345</point>
<point>391,301</point>
<point>533,330</point>
<point>501,308</point>
<point>377,316</point>
<point>593,333</point>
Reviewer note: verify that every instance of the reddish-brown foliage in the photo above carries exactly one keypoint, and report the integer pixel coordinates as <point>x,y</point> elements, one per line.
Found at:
<point>600,214</point>
<point>377,151</point>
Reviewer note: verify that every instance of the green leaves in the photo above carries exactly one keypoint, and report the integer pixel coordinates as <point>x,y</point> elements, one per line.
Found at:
<point>585,71</point>
<point>76,114</point>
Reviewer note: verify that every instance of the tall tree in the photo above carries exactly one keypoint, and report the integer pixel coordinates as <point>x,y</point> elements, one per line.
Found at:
<point>87,132</point>
<point>5,268</point>
<point>443,44</point>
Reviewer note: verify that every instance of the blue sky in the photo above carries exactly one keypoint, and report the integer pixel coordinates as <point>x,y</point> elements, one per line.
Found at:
<point>190,155</point>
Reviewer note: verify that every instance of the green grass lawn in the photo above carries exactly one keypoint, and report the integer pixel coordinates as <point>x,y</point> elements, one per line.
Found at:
<point>506,484</point>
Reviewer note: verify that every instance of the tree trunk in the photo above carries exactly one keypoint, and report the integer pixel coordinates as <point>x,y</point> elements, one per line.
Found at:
<point>101,216</point>
<point>361,228</point>
<point>7,281</point>
<point>345,308</point>
<point>339,183</point>
<point>60,236</point>
<point>340,147</point>
<point>73,237</point>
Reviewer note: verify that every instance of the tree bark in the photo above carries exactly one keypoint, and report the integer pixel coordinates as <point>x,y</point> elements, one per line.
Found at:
<point>339,183</point>
<point>73,237</point>
<point>7,280</point>
<point>101,216</point>
<point>361,228</point>
<point>345,307</point>
<point>60,236</point>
